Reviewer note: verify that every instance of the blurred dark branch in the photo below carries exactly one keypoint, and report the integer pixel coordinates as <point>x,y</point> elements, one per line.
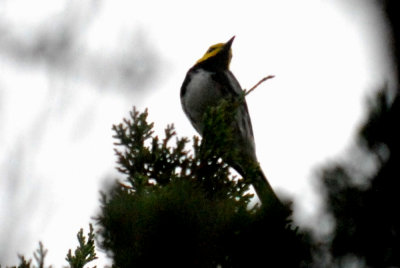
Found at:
<point>59,42</point>
<point>391,10</point>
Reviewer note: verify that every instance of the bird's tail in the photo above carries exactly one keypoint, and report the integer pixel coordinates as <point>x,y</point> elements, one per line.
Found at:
<point>264,190</point>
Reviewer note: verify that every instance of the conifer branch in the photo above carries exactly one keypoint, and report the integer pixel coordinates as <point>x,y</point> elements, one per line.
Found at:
<point>85,252</point>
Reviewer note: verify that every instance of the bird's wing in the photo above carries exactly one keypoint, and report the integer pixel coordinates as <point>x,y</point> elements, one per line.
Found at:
<point>230,87</point>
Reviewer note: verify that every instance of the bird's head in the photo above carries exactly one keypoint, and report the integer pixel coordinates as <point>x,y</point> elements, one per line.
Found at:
<point>218,56</point>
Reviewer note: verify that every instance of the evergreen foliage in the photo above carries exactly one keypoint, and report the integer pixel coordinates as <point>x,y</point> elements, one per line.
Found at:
<point>182,209</point>
<point>83,254</point>
<point>367,214</point>
<point>39,256</point>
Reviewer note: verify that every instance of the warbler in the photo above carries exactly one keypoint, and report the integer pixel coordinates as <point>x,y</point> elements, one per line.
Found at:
<point>206,84</point>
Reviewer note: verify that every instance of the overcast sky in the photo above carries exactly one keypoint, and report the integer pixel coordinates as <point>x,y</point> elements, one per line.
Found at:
<point>71,69</point>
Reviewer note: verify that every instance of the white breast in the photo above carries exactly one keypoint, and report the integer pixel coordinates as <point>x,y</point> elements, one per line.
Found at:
<point>201,92</point>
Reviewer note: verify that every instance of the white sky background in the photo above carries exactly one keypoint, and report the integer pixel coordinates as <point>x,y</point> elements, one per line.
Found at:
<point>55,131</point>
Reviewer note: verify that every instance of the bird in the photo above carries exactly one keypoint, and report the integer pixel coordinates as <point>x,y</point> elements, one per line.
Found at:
<point>207,84</point>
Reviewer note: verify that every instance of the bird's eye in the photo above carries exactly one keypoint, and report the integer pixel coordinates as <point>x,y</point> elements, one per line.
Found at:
<point>210,49</point>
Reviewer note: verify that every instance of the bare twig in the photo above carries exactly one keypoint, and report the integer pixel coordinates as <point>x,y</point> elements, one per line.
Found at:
<point>247,92</point>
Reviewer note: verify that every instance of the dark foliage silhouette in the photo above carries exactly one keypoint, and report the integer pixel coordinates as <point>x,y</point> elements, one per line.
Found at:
<point>366,214</point>
<point>181,209</point>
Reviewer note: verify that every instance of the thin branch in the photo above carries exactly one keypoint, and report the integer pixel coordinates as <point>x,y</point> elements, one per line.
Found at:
<point>247,92</point>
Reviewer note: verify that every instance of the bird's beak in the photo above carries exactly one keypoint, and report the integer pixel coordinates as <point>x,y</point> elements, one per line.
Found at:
<point>229,43</point>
